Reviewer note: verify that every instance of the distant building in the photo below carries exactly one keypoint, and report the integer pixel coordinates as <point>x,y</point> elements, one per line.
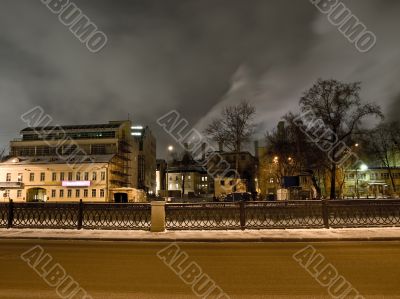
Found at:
<point>146,163</point>
<point>371,182</point>
<point>247,168</point>
<point>68,163</point>
<point>195,180</point>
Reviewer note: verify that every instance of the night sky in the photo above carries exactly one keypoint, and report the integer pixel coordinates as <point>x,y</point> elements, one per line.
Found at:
<point>193,56</point>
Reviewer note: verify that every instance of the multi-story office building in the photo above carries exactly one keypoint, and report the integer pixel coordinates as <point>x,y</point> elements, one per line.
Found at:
<point>68,163</point>
<point>146,163</point>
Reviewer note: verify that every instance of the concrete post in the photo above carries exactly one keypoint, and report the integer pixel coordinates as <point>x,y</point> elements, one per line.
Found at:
<point>157,216</point>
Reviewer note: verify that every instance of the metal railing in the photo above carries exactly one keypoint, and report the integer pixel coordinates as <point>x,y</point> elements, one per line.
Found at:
<point>204,216</point>
<point>75,215</point>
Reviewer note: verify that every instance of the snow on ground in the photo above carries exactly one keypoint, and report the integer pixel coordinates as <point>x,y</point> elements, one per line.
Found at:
<point>224,235</point>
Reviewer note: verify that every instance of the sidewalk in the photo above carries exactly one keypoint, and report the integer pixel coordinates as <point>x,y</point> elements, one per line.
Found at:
<point>272,235</point>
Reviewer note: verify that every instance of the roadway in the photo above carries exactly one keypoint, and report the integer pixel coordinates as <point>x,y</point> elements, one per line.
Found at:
<point>242,270</point>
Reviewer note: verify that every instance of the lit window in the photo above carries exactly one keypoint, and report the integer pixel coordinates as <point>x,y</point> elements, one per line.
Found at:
<point>42,176</point>
<point>20,177</point>
<point>176,186</point>
<point>8,177</point>
<point>271,180</point>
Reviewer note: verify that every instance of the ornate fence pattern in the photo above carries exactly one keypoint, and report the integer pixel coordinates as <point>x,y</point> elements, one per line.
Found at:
<point>3,215</point>
<point>202,216</point>
<point>49,215</point>
<point>116,216</point>
<point>289,214</point>
<point>364,214</point>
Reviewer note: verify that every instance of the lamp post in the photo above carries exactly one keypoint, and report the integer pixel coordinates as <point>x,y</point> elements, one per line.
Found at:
<point>170,149</point>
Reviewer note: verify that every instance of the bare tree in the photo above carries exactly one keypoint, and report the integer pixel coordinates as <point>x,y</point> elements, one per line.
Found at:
<point>339,106</point>
<point>381,146</point>
<point>296,153</point>
<point>233,128</point>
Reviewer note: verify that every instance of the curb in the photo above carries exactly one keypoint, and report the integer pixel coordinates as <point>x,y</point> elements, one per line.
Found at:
<point>208,240</point>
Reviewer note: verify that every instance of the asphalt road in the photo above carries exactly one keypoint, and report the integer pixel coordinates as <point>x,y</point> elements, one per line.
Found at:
<point>242,270</point>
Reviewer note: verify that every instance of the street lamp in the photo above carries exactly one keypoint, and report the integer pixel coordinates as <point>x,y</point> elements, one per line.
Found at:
<point>170,148</point>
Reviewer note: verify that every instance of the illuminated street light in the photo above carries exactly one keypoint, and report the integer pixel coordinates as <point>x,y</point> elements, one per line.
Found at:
<point>363,167</point>
<point>170,148</point>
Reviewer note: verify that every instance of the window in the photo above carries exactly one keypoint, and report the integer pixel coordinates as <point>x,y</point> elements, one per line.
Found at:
<point>54,176</point>
<point>19,193</point>
<point>8,177</point>
<point>62,177</point>
<point>222,183</point>
<point>20,177</point>
<point>101,192</point>
<point>176,178</point>
<point>176,186</point>
<point>94,176</point>
<point>78,176</point>
<point>77,193</point>
<point>231,183</point>
<point>271,180</point>
<point>53,193</point>
<point>93,192</point>
<point>103,175</point>
<point>42,176</point>
<point>189,177</point>
<point>31,177</point>
<point>86,176</point>
<point>85,193</point>
<point>69,176</point>
<point>61,193</point>
<point>7,193</point>
<point>69,193</point>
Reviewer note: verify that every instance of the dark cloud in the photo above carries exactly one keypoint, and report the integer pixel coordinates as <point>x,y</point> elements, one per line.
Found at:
<point>189,55</point>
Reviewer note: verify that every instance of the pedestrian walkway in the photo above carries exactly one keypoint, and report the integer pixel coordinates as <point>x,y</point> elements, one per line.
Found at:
<point>278,235</point>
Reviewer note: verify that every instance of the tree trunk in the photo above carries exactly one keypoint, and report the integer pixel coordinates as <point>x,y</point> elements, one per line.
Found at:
<point>316,186</point>
<point>392,180</point>
<point>183,185</point>
<point>333,181</point>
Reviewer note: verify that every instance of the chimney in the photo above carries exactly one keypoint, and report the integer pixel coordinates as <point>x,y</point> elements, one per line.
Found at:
<point>203,151</point>
<point>221,146</point>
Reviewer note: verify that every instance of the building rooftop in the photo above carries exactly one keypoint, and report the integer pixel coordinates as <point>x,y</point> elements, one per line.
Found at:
<point>111,125</point>
<point>56,160</point>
